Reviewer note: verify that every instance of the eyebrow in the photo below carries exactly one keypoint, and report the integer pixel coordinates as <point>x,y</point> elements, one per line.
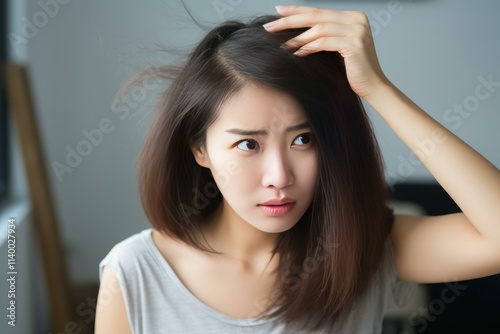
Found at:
<point>242,132</point>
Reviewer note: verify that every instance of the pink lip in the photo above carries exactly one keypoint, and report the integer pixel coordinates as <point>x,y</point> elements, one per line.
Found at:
<point>278,201</point>
<point>277,210</point>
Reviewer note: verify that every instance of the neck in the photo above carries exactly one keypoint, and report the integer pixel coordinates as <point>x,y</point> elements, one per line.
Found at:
<point>229,234</point>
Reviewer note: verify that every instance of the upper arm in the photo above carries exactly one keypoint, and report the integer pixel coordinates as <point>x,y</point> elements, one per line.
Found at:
<point>441,249</point>
<point>111,313</point>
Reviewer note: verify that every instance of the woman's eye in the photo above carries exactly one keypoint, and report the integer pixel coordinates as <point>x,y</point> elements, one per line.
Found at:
<point>247,145</point>
<point>303,139</point>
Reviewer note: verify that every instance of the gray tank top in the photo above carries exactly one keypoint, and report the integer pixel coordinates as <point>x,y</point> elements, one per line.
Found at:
<point>158,302</point>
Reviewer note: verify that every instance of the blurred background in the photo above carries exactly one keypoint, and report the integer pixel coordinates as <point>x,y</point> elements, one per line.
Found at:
<point>444,54</point>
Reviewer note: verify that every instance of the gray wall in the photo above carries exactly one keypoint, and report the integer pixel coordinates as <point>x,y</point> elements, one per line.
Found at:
<point>434,50</point>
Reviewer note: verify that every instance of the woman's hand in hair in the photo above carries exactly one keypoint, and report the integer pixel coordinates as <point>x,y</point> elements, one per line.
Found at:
<point>427,249</point>
<point>348,33</point>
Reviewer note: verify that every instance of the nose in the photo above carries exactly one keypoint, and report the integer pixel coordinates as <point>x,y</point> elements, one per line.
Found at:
<point>277,171</point>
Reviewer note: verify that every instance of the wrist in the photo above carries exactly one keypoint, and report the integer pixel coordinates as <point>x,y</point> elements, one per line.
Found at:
<point>380,88</point>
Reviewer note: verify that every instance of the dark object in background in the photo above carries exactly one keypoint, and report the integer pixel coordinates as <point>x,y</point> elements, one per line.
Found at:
<point>476,308</point>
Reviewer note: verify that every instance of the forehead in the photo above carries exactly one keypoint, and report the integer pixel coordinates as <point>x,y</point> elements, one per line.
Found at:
<point>260,107</point>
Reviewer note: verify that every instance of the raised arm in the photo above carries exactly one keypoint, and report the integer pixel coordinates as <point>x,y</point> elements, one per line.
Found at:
<point>428,249</point>
<point>449,247</point>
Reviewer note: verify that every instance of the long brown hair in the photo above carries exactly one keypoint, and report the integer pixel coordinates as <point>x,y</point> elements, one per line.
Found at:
<point>327,260</point>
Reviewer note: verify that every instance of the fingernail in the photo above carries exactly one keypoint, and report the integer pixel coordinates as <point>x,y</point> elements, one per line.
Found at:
<point>269,25</point>
<point>280,8</point>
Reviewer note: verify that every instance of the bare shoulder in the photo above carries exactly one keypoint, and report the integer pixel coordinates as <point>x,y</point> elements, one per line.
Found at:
<point>111,314</point>
<point>173,250</point>
<point>441,249</point>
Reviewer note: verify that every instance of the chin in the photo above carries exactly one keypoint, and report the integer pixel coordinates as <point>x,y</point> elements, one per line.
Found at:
<point>274,227</point>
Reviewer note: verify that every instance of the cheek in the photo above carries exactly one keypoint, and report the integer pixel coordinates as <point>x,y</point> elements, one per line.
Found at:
<point>230,173</point>
<point>309,171</point>
<point>236,187</point>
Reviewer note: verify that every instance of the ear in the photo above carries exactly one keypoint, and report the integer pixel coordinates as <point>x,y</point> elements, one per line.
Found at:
<point>200,156</point>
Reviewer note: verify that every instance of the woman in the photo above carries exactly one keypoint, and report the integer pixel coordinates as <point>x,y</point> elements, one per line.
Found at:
<point>263,182</point>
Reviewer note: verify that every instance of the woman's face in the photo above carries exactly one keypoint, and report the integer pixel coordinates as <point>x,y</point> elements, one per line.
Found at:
<point>260,148</point>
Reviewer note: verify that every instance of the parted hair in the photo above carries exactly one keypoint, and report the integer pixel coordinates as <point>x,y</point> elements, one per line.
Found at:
<point>329,257</point>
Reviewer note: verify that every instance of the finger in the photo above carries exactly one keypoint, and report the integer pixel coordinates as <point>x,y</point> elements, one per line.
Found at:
<point>318,31</point>
<point>354,16</point>
<point>301,16</point>
<point>296,9</point>
<point>339,44</point>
